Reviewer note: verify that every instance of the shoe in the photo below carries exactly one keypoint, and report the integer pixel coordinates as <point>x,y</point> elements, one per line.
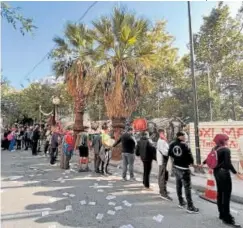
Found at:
<point>192,210</point>
<point>182,205</point>
<point>133,179</point>
<point>97,171</point>
<point>166,197</point>
<point>232,224</point>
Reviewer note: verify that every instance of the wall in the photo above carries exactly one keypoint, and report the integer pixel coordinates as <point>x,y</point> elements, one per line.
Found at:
<point>207,131</point>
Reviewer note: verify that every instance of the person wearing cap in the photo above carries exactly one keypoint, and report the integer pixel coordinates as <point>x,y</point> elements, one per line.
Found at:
<point>128,153</point>
<point>182,159</point>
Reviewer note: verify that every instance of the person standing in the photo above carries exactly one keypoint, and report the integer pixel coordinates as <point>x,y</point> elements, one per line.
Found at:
<point>96,144</point>
<point>18,139</point>
<point>223,179</point>
<point>35,138</point>
<point>82,145</point>
<point>55,139</point>
<point>162,160</point>
<point>182,159</point>
<point>146,151</point>
<point>67,149</point>
<point>48,140</point>
<point>128,149</point>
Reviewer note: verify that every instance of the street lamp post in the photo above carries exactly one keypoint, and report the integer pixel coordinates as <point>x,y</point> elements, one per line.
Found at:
<point>56,102</point>
<point>194,87</point>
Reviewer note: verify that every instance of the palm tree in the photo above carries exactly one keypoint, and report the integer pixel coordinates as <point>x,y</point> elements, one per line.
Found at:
<point>125,54</point>
<point>71,60</point>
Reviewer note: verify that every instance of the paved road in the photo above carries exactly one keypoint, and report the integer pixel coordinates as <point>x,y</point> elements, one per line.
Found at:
<point>37,195</point>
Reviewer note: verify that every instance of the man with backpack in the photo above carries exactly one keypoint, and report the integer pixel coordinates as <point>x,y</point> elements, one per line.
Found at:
<point>182,159</point>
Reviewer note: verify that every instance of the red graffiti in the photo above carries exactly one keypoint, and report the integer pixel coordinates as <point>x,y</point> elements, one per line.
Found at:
<point>233,132</point>
<point>206,132</point>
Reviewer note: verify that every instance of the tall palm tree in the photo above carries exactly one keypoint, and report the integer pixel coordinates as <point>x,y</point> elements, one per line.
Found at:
<point>125,53</point>
<point>71,60</point>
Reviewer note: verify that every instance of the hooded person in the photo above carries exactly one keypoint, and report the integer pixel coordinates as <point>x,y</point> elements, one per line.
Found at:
<point>223,178</point>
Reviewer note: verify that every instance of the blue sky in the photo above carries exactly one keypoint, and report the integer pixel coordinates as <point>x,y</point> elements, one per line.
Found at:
<point>21,53</point>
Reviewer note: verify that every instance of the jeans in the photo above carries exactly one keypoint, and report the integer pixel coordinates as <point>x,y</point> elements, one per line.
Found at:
<point>147,166</point>
<point>162,179</point>
<point>53,155</point>
<point>224,187</point>
<point>183,177</point>
<point>128,159</point>
<point>97,162</point>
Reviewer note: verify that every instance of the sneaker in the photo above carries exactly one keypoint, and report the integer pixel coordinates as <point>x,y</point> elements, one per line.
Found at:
<point>166,197</point>
<point>192,210</point>
<point>133,179</point>
<point>182,205</point>
<point>232,223</point>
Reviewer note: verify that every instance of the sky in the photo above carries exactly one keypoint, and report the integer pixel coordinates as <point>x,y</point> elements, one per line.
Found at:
<point>21,53</point>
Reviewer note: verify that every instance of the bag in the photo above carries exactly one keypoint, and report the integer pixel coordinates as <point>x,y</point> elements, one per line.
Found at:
<point>10,137</point>
<point>212,158</point>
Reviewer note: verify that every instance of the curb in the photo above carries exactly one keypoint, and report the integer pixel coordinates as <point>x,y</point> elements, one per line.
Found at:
<point>198,188</point>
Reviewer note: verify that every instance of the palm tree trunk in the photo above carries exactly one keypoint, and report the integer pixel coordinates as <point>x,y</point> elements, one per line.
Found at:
<point>118,124</point>
<point>79,113</point>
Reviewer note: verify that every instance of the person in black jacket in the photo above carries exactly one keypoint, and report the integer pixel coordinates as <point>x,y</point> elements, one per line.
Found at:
<point>223,179</point>
<point>35,138</point>
<point>146,151</point>
<point>128,148</point>
<point>182,159</point>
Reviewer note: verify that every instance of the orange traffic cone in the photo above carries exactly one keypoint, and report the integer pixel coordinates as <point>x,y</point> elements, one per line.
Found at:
<point>210,192</point>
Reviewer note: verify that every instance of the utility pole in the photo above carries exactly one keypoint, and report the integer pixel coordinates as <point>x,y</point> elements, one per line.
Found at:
<point>194,87</point>
<point>209,93</point>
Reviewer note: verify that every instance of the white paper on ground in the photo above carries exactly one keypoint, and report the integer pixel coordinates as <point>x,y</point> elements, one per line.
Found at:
<point>110,212</point>
<point>100,190</point>
<point>66,176</point>
<point>110,197</point>
<point>124,201</point>
<point>39,174</point>
<point>31,175</point>
<point>92,203</point>
<point>69,208</point>
<point>62,181</point>
<point>83,202</point>
<point>72,195</point>
<point>52,200</point>
<point>110,184</point>
<point>99,216</point>
<point>128,204</point>
<point>118,208</point>
<point>158,218</point>
<point>96,184</point>
<point>45,213</point>
<point>234,211</point>
<point>65,194</point>
<point>112,204</point>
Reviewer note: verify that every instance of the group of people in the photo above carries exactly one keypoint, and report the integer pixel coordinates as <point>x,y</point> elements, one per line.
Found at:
<point>102,144</point>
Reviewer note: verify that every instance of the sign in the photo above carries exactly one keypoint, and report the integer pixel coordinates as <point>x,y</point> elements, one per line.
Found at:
<point>207,132</point>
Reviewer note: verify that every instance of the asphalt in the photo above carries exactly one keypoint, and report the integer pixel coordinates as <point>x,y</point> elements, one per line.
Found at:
<point>35,194</point>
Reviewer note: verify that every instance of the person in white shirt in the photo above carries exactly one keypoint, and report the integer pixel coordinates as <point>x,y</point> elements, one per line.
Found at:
<point>162,159</point>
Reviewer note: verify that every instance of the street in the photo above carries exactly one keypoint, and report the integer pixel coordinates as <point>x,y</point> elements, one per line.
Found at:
<point>36,195</point>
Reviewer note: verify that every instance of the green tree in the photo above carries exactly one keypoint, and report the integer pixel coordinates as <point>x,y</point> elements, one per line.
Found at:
<point>71,60</point>
<point>17,20</point>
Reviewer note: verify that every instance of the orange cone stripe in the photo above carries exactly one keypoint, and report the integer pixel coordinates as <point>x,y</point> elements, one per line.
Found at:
<point>211,183</point>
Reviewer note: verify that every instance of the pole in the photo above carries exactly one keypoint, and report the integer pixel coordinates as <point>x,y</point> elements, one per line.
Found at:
<point>233,106</point>
<point>209,93</point>
<point>194,87</point>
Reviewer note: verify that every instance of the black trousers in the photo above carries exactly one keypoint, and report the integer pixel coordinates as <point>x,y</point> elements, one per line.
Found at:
<point>147,166</point>
<point>224,187</point>
<point>53,155</point>
<point>27,144</point>
<point>34,147</point>
<point>18,144</point>
<point>183,177</point>
<point>46,146</point>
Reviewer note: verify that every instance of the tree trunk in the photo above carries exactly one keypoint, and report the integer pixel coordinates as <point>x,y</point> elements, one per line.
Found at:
<point>79,113</point>
<point>118,124</point>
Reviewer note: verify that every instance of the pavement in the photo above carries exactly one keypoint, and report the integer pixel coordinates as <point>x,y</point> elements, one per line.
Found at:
<point>199,181</point>
<point>35,194</point>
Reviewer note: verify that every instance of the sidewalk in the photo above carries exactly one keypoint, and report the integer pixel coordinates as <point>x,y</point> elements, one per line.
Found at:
<point>198,181</point>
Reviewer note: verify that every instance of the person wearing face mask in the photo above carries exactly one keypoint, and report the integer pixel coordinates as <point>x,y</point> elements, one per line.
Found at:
<point>182,159</point>
<point>223,179</point>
